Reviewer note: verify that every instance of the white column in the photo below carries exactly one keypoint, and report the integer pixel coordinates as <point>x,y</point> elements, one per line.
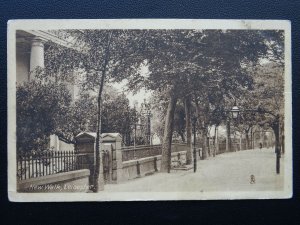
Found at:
<point>37,53</point>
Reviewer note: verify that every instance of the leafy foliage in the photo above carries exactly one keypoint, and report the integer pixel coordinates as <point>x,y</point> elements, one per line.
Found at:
<point>40,109</point>
<point>117,116</point>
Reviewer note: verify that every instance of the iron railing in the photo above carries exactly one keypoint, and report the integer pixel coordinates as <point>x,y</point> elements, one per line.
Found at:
<point>38,164</point>
<point>138,152</point>
<point>143,151</point>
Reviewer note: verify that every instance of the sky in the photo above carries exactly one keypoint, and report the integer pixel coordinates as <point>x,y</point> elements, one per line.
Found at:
<point>138,97</point>
<point>141,94</point>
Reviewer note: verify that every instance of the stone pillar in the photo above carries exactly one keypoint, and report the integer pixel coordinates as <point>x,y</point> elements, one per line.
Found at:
<point>85,146</point>
<point>36,54</point>
<point>112,143</point>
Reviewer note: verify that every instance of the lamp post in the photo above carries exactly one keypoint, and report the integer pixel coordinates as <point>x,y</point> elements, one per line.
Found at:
<point>194,121</point>
<point>148,114</point>
<point>149,127</point>
<point>235,113</point>
<point>277,148</point>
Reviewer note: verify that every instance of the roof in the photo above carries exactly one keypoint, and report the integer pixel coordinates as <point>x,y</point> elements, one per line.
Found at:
<point>92,134</point>
<point>103,135</point>
<point>116,136</point>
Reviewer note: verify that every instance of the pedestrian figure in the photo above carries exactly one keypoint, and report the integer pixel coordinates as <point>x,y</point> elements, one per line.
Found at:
<point>252,179</point>
<point>260,145</point>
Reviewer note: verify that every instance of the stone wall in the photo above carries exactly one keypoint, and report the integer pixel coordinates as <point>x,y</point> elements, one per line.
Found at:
<point>146,166</point>
<point>74,181</point>
<point>144,151</point>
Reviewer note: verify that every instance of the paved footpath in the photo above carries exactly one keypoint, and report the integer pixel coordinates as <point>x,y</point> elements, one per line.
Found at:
<point>225,172</point>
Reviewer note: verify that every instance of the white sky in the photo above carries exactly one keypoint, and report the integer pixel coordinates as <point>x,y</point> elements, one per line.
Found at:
<point>138,97</point>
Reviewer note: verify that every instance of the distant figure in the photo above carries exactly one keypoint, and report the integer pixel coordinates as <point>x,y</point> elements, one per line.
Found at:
<point>260,145</point>
<point>252,179</point>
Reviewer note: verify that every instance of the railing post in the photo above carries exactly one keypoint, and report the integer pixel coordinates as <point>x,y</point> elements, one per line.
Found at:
<point>138,168</point>
<point>155,164</point>
<point>21,166</point>
<point>25,160</point>
<point>32,166</point>
<point>40,168</point>
<point>61,162</point>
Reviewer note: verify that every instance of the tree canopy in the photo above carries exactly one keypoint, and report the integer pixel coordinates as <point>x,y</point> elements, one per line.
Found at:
<point>40,110</point>
<point>204,70</point>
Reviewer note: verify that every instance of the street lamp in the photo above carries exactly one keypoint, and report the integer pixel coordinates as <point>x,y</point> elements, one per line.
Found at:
<point>194,121</point>
<point>148,115</point>
<point>235,112</point>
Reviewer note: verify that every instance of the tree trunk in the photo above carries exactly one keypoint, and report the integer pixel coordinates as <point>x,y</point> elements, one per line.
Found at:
<point>241,137</point>
<point>252,138</point>
<point>168,132</point>
<point>98,181</point>
<point>277,143</point>
<point>208,141</point>
<point>214,141</point>
<point>201,131</point>
<point>204,145</point>
<point>98,170</point>
<point>247,139</point>
<point>282,137</point>
<point>260,132</point>
<point>187,106</point>
<point>282,144</point>
<point>217,141</point>
<point>208,145</point>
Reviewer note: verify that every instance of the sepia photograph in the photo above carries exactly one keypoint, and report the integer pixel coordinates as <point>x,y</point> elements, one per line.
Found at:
<point>126,110</point>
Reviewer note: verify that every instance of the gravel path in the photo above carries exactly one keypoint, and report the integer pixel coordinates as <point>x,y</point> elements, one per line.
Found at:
<point>225,172</point>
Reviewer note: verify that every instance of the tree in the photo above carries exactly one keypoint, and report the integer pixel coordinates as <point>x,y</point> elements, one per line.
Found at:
<point>40,111</point>
<point>179,121</point>
<point>186,62</point>
<point>81,115</point>
<point>188,126</point>
<point>264,104</point>
<point>159,104</point>
<point>97,56</point>
<point>118,117</point>
<point>270,95</point>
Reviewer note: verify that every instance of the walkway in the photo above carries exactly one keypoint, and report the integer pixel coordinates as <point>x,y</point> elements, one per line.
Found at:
<point>225,172</point>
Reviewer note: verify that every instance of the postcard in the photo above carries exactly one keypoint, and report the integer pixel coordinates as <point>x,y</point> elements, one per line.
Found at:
<point>149,109</point>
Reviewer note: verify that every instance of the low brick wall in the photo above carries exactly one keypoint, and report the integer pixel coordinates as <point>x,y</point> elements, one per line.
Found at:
<point>73,181</point>
<point>142,167</point>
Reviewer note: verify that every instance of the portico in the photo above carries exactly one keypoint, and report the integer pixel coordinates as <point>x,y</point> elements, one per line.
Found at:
<point>36,53</point>
<point>30,49</point>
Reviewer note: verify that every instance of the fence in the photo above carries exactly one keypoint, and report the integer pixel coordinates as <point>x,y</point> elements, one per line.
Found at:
<point>143,151</point>
<point>130,153</point>
<point>31,165</point>
<point>235,146</point>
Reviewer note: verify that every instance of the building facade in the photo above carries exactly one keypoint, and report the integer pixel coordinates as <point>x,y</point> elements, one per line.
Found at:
<point>30,49</point>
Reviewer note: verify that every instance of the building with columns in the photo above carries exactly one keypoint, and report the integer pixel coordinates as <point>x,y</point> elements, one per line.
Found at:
<point>30,46</point>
